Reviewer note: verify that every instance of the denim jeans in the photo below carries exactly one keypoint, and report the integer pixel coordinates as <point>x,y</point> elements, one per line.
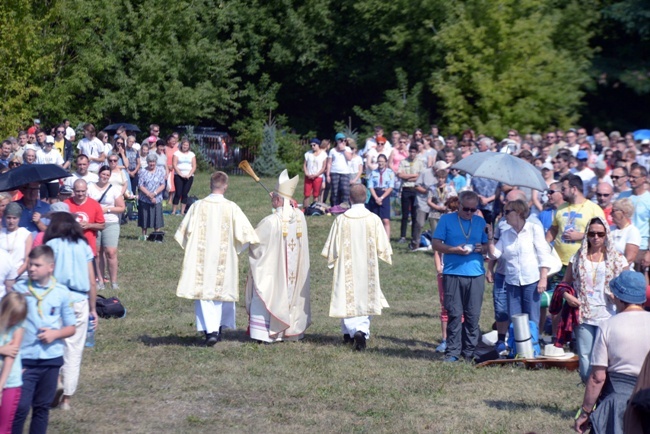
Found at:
<point>585,336</point>
<point>500,298</point>
<point>524,299</point>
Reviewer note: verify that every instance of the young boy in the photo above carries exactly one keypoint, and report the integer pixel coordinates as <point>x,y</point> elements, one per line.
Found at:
<point>50,319</point>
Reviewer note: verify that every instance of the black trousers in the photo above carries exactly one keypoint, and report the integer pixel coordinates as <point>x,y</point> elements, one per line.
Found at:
<point>409,207</point>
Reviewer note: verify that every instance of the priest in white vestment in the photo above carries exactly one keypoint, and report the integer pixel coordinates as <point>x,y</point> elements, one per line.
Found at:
<point>356,243</point>
<point>277,287</point>
<point>213,233</point>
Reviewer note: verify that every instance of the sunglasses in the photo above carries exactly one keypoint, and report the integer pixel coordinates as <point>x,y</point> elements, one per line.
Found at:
<point>60,132</point>
<point>549,192</point>
<point>112,161</point>
<point>596,234</point>
<point>508,211</point>
<point>614,178</point>
<point>14,164</point>
<point>469,209</point>
<point>603,194</point>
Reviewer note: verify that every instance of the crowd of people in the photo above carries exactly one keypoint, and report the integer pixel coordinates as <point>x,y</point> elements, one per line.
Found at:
<point>59,245</point>
<point>583,241</point>
<point>586,230</point>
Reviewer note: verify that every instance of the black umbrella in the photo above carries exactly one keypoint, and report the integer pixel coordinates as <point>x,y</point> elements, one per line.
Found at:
<point>27,173</point>
<point>128,127</point>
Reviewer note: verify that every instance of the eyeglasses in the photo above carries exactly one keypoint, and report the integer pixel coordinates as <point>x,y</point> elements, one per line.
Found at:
<point>603,194</point>
<point>119,143</point>
<point>469,209</point>
<point>343,140</point>
<point>634,177</point>
<point>549,192</point>
<point>555,162</point>
<point>60,131</point>
<point>112,161</point>
<point>596,234</point>
<point>614,177</point>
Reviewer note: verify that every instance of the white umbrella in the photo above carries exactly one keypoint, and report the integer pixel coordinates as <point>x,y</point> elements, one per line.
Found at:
<point>504,168</point>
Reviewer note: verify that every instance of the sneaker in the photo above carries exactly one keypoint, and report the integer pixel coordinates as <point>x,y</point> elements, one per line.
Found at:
<point>450,359</point>
<point>100,286</point>
<point>115,286</point>
<point>500,347</point>
<point>442,347</point>
<point>65,406</point>
<point>211,339</point>
<point>402,240</point>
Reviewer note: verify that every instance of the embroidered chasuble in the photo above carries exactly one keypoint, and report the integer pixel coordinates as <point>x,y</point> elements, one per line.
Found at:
<point>277,286</point>
<point>356,242</point>
<point>213,233</point>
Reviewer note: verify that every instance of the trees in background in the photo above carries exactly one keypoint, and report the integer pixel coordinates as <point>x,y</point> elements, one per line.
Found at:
<point>475,63</point>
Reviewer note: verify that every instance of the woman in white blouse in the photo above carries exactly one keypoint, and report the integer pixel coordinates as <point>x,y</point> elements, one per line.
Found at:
<point>184,164</point>
<point>527,256</point>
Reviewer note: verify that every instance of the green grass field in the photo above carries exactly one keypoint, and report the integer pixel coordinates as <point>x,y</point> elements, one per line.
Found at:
<point>150,373</point>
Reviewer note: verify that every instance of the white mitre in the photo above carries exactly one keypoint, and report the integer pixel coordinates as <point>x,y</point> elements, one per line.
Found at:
<point>285,188</point>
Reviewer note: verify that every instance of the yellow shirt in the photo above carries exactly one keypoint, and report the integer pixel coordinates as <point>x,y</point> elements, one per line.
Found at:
<point>60,146</point>
<point>576,217</point>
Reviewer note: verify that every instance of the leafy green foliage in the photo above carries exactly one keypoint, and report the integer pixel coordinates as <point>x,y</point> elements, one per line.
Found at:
<point>24,58</point>
<point>230,63</point>
<point>502,69</point>
<point>401,108</point>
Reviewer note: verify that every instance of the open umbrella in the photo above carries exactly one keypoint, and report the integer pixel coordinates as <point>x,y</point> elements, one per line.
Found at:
<point>128,127</point>
<point>27,173</point>
<point>641,134</point>
<point>504,168</point>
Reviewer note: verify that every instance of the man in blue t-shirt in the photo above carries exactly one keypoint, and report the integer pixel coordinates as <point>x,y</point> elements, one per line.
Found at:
<point>461,238</point>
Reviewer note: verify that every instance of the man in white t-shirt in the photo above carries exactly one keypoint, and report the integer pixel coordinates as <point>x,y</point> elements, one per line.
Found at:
<point>70,133</point>
<point>49,155</point>
<point>314,166</point>
<point>338,172</point>
<point>584,171</point>
<point>93,148</point>
<point>81,173</point>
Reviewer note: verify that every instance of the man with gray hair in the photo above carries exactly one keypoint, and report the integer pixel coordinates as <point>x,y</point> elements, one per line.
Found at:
<point>461,237</point>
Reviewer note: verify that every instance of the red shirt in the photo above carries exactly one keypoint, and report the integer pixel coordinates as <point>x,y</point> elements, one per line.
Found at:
<point>90,212</point>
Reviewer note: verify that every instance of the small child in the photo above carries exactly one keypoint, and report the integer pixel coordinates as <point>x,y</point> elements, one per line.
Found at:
<point>50,319</point>
<point>13,310</point>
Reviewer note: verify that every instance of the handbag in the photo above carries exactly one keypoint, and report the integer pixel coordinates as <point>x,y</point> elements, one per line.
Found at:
<point>110,307</point>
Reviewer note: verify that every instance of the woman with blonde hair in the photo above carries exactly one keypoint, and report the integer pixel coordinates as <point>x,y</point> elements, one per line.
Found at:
<point>13,311</point>
<point>627,238</point>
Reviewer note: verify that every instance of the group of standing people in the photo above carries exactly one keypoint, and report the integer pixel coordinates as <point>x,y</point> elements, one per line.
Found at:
<point>278,284</point>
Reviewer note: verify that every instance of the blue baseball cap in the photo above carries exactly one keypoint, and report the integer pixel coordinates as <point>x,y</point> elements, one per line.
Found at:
<point>582,155</point>
<point>315,140</point>
<point>629,286</point>
<point>339,136</point>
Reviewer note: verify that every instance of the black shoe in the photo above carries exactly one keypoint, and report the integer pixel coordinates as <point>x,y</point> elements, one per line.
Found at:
<point>360,341</point>
<point>211,339</point>
<point>347,339</point>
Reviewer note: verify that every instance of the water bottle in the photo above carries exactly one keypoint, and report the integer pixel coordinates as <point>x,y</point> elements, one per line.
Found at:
<point>90,337</point>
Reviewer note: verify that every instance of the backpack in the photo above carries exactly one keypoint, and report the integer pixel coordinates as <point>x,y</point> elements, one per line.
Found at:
<point>316,209</point>
<point>110,307</point>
